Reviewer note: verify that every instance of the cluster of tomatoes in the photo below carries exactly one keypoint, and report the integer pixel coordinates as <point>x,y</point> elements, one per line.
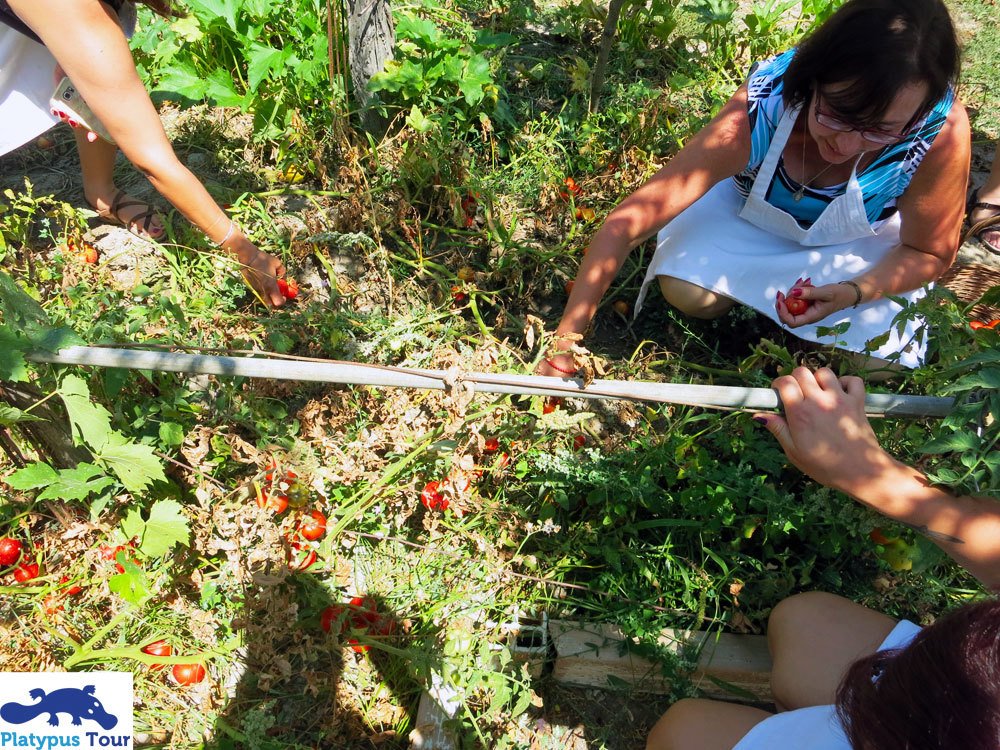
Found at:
<point>82,250</point>
<point>282,490</point>
<point>435,493</point>
<point>183,674</point>
<point>574,191</point>
<point>11,554</point>
<point>360,615</point>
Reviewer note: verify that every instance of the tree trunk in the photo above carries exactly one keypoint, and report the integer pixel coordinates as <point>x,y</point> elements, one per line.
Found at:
<point>371,37</point>
<point>610,29</point>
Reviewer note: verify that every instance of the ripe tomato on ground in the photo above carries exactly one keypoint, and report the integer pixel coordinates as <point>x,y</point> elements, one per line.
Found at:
<point>312,526</point>
<point>491,445</point>
<point>10,551</point>
<point>26,572</point>
<point>159,648</point>
<point>188,674</point>
<point>432,498</point>
<point>579,441</point>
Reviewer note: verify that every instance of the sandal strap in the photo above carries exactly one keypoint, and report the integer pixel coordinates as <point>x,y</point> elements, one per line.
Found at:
<point>984,204</point>
<point>981,226</point>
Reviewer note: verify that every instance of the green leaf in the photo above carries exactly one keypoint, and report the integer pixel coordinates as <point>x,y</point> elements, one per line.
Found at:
<point>11,415</point>
<point>13,367</point>
<point>957,441</point>
<point>77,483</point>
<point>262,60</point>
<point>18,308</point>
<point>54,339</point>
<point>171,433</point>
<point>220,89</point>
<point>165,528</point>
<point>131,585</point>
<point>32,476</point>
<point>477,77</point>
<point>135,465</point>
<point>988,377</point>
<point>133,525</point>
<point>91,422</point>
<point>184,81</point>
<point>417,121</point>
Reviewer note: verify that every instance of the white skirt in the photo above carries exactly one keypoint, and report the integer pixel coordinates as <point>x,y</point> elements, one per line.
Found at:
<point>26,83</point>
<point>710,246</point>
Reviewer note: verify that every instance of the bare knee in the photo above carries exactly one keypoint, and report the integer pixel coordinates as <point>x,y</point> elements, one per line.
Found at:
<point>692,299</point>
<point>677,727</point>
<point>792,619</point>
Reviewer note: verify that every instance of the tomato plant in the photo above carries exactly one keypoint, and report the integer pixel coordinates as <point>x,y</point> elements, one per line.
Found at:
<point>10,551</point>
<point>188,674</point>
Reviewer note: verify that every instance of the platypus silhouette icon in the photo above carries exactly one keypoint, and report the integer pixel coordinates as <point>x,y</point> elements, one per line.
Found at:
<point>79,704</point>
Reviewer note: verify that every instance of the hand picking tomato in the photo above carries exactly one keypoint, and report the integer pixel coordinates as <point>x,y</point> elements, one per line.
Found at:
<point>26,572</point>
<point>796,305</point>
<point>313,526</point>
<point>289,288</point>
<point>188,674</point>
<point>10,551</point>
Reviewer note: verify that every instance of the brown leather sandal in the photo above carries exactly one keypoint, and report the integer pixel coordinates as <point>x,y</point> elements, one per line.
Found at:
<point>140,224</point>
<point>977,229</point>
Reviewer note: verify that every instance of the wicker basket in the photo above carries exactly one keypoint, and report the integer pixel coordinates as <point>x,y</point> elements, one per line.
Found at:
<point>969,283</point>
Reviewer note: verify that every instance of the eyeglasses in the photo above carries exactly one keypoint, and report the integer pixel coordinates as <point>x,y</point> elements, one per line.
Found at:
<point>879,137</point>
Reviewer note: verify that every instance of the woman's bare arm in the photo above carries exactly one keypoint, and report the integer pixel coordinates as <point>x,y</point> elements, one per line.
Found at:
<point>826,434</point>
<point>85,39</point>
<point>719,150</point>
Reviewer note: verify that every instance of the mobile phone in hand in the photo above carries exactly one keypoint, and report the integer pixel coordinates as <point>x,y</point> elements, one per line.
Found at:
<point>67,104</point>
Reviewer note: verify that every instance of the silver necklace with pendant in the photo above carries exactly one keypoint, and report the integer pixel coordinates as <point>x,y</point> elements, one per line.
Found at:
<point>797,195</point>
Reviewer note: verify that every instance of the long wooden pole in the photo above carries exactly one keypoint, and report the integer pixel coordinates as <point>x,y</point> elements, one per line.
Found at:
<point>332,371</point>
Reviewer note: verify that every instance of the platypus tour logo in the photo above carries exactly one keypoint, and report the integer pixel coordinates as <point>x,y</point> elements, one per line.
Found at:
<point>49,710</point>
<point>79,704</point>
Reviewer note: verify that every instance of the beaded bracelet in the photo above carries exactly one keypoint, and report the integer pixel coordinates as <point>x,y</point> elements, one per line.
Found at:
<point>563,370</point>
<point>857,291</point>
<point>229,234</point>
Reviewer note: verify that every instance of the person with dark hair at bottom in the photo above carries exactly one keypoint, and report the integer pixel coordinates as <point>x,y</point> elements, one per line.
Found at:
<point>833,179</point>
<point>43,40</point>
<point>845,677</point>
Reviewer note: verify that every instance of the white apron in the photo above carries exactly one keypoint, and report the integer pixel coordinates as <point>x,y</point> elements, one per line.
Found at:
<point>26,83</point>
<point>750,250</point>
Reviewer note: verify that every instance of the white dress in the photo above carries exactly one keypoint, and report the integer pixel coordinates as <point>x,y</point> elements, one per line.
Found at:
<point>26,83</point>
<point>749,250</point>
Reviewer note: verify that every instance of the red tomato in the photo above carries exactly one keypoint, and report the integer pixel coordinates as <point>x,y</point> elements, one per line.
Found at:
<point>502,462</point>
<point>796,305</point>
<point>579,441</point>
<point>289,288</point>
<point>878,536</point>
<point>551,404</point>
<point>188,674</point>
<point>993,323</point>
<point>313,526</point>
<point>491,445</point>
<point>301,557</point>
<point>458,295</point>
<point>431,497</point>
<point>159,648</point>
<point>10,551</point>
<point>277,503</point>
<point>72,590</point>
<point>26,572</point>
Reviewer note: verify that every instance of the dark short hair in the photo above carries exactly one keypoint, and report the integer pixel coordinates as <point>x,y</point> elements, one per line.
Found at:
<point>878,47</point>
<point>941,692</point>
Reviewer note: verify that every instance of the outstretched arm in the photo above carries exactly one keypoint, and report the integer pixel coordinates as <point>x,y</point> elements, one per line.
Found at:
<point>826,434</point>
<point>85,39</point>
<point>717,151</point>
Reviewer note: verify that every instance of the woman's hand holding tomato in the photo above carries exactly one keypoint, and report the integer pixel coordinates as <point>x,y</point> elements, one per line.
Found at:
<point>806,303</point>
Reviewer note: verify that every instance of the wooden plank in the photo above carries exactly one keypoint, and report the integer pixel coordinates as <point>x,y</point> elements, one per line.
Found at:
<point>429,732</point>
<point>599,655</point>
